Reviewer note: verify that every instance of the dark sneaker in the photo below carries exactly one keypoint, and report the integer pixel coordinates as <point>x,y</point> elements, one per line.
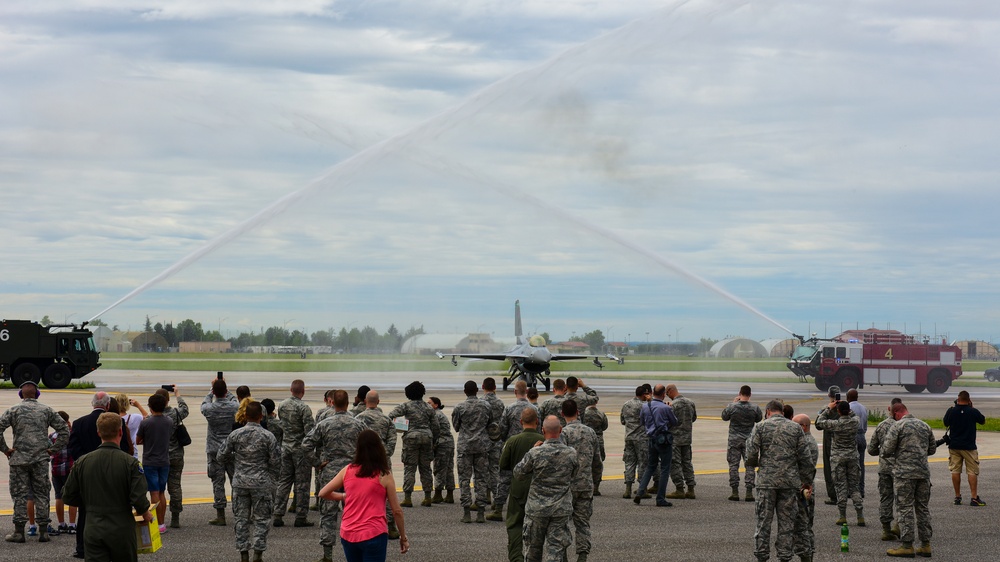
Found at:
<point>53,531</point>
<point>976,502</point>
<point>958,500</point>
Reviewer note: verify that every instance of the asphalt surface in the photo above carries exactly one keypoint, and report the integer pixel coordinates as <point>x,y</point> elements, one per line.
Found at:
<point>709,528</point>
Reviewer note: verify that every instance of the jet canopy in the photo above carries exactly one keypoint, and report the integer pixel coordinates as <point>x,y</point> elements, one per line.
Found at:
<point>536,341</point>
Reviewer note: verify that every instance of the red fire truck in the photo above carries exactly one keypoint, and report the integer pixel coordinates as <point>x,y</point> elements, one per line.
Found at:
<point>878,358</point>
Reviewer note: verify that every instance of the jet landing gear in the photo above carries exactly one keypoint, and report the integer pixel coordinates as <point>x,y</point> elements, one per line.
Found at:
<point>530,378</point>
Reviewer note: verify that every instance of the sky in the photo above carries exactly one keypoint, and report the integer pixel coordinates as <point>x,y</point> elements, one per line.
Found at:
<point>658,170</point>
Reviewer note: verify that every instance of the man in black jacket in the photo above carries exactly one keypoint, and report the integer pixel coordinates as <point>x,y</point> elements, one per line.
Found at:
<point>83,439</point>
<point>961,420</point>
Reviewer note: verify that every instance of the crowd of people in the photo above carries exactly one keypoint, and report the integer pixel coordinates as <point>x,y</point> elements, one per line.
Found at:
<point>535,466</point>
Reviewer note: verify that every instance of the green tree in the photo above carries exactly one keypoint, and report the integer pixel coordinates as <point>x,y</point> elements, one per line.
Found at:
<point>189,330</point>
<point>149,325</point>
<point>323,337</point>
<point>594,340</point>
<point>46,321</point>
<point>545,336</point>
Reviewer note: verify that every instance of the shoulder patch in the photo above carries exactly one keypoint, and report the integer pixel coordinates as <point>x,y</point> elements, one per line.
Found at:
<point>140,470</point>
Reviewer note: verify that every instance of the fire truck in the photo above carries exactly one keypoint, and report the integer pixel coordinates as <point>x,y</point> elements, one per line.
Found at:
<point>54,355</point>
<point>877,358</point>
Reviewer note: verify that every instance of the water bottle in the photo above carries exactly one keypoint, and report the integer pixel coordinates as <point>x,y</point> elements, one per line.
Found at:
<point>845,539</point>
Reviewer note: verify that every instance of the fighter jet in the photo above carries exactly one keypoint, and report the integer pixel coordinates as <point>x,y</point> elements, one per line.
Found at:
<point>529,358</point>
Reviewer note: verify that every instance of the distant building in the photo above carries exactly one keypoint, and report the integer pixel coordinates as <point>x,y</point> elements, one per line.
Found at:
<point>738,348</point>
<point>205,347</point>
<point>426,344</point>
<point>780,347</point>
<point>978,349</point>
<point>569,347</point>
<point>148,341</point>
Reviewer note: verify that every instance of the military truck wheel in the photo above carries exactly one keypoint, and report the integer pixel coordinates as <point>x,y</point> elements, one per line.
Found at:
<point>938,382</point>
<point>914,388</point>
<point>57,375</point>
<point>25,372</point>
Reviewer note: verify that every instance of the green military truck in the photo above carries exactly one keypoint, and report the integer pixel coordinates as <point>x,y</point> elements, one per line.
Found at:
<point>53,355</point>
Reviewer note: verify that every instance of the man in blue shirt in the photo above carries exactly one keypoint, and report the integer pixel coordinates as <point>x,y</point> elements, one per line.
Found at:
<point>657,417</point>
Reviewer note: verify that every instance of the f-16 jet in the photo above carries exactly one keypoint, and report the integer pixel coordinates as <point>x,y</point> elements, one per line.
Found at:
<point>529,358</point>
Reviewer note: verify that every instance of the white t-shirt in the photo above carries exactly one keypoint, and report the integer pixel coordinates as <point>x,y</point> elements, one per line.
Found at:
<point>132,421</point>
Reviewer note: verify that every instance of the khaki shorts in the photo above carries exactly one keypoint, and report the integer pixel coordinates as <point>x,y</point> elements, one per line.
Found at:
<point>971,458</point>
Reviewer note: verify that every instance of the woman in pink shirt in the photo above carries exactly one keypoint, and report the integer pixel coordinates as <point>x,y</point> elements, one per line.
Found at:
<point>367,483</point>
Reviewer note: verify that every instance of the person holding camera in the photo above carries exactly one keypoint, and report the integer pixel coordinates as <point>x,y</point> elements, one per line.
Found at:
<point>840,422</point>
<point>831,488</point>
<point>177,414</point>
<point>961,420</point>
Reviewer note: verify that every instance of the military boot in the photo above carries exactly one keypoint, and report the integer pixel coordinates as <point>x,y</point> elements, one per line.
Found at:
<point>428,502</point>
<point>861,518</point>
<point>843,518</point>
<point>303,522</point>
<point>43,533</point>
<point>175,520</point>
<point>805,558</point>
<point>496,514</point>
<point>924,550</point>
<point>438,498</point>
<point>677,494</point>
<point>244,556</point>
<point>749,496</point>
<point>887,534</point>
<point>407,499</point>
<point>466,515</point>
<point>481,515</point>
<point>327,554</point>
<point>895,530</point>
<point>597,489</point>
<point>258,556</point>
<point>735,496</point>
<point>17,535</point>
<point>628,492</point>
<point>652,489</point>
<point>690,493</point>
<point>393,531</point>
<point>278,522</point>
<point>582,557</point>
<point>905,550</point>
<point>220,518</point>
<point>449,496</point>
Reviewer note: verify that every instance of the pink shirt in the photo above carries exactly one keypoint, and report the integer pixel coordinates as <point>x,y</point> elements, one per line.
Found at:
<point>364,507</point>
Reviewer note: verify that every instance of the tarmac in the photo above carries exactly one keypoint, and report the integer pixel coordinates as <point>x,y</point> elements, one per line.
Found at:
<point>707,528</point>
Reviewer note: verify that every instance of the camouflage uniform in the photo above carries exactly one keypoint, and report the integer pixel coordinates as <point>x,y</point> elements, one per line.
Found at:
<point>844,457</point>
<point>444,454</point>
<point>358,408</point>
<point>471,419</point>
<point>176,415</point>
<point>333,441</point>
<point>777,446</point>
<point>496,438</point>
<point>805,539</point>
<point>318,483</point>
<point>323,413</point>
<point>418,443</point>
<point>741,417</point>
<point>681,468</point>
<point>636,441</point>
<point>296,422</point>
<point>220,413</point>
<point>886,492</point>
<point>598,421</point>
<point>910,441</point>
<point>553,467</point>
<point>828,479</point>
<point>588,398</point>
<point>375,420</point>
<point>29,464</point>
<point>588,453</point>
<point>510,425</point>
<point>552,407</point>
<point>253,452</point>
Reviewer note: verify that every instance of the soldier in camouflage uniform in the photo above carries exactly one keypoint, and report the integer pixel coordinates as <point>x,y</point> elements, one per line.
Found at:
<point>830,481</point>
<point>553,406</point>
<point>844,456</point>
<point>471,420</point>
<point>681,468</point>
<point>219,409</point>
<point>910,441</point>
<point>805,539</point>
<point>330,446</point>
<point>323,413</point>
<point>886,491</point>
<point>360,400</point>
<point>573,387</point>
<point>636,441</point>
<point>296,421</point>
<point>29,458</point>
<point>253,452</point>
<point>588,452</point>
<point>777,446</point>
<point>373,419</point>
<point>496,441</point>
<point>553,467</point>
<point>596,419</point>
<point>176,452</point>
<point>741,415</point>
<point>418,442</point>
<point>510,425</point>
<point>444,456</point>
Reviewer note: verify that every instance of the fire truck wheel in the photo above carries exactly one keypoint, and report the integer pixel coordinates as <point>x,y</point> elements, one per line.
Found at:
<point>848,379</point>
<point>914,388</point>
<point>937,382</point>
<point>57,375</point>
<point>821,385</point>
<point>25,372</point>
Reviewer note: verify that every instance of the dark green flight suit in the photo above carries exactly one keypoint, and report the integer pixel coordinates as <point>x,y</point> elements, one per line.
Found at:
<point>108,483</point>
<point>513,451</point>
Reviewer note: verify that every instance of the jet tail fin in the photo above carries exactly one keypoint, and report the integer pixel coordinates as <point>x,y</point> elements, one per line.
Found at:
<point>518,333</point>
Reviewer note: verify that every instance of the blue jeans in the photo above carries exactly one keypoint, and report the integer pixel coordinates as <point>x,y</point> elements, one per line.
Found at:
<point>652,458</point>
<point>371,550</point>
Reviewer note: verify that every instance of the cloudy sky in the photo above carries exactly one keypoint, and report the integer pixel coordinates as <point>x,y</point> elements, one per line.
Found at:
<point>677,169</point>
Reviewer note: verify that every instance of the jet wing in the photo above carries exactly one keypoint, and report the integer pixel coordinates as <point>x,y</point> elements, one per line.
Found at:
<point>571,356</point>
<point>488,356</point>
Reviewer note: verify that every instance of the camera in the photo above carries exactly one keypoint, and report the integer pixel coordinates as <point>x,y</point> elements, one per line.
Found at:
<point>218,375</point>
<point>836,397</point>
<point>167,387</point>
<point>946,440</point>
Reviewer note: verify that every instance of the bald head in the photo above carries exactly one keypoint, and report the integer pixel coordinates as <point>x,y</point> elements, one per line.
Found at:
<point>371,399</point>
<point>672,391</point>
<point>659,391</point>
<point>551,427</point>
<point>804,422</point>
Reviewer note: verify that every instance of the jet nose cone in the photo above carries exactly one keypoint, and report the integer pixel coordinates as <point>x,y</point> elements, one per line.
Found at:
<point>542,355</point>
